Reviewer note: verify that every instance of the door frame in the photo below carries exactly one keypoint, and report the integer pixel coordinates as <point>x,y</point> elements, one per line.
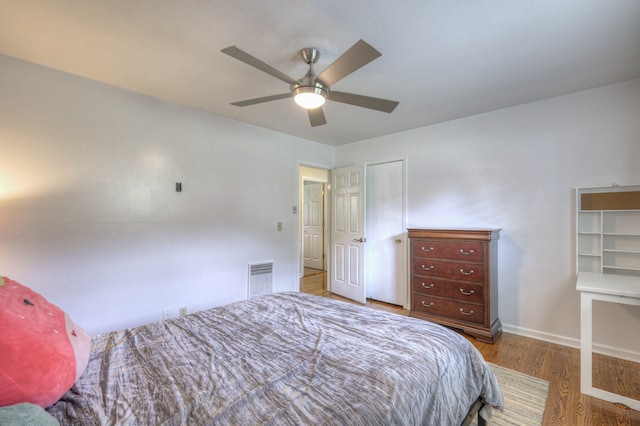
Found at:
<point>312,174</point>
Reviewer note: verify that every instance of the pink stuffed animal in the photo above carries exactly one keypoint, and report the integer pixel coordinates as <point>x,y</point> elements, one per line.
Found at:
<point>42,351</point>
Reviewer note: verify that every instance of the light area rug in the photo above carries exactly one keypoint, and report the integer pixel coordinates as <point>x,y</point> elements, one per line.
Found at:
<point>525,398</point>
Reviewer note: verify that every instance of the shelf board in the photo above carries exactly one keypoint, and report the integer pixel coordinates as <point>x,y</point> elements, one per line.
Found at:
<point>620,268</point>
<point>590,254</point>
<point>621,251</point>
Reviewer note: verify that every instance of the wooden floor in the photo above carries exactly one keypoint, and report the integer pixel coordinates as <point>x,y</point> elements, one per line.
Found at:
<point>559,365</point>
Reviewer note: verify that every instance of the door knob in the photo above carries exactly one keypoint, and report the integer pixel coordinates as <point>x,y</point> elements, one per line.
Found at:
<point>359,240</point>
<point>398,240</point>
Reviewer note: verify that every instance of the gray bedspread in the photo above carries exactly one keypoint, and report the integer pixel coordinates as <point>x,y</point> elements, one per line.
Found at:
<point>286,358</point>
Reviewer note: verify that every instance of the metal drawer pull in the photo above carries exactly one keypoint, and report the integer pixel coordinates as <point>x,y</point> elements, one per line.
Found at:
<point>427,268</point>
<point>466,253</point>
<point>465,313</point>
<point>430,285</point>
<point>426,250</point>
<point>429,305</point>
<point>466,273</point>
<point>465,293</point>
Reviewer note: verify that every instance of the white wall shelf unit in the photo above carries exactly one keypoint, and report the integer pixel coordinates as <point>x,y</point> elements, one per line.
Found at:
<point>608,230</point>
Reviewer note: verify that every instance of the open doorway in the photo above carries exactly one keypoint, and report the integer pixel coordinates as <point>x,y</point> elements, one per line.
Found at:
<point>386,270</point>
<point>313,230</point>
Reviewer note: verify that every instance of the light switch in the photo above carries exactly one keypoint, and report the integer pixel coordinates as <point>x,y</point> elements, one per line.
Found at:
<point>279,226</point>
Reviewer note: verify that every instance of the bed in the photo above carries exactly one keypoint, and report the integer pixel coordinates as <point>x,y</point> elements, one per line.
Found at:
<point>284,358</point>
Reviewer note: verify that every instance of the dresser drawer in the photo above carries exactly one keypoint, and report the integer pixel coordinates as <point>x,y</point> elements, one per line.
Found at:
<point>462,250</point>
<point>459,290</point>
<point>473,272</point>
<point>449,308</point>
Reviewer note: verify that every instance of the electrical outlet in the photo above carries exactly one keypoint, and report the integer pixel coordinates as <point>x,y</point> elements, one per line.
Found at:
<point>166,313</point>
<point>183,311</point>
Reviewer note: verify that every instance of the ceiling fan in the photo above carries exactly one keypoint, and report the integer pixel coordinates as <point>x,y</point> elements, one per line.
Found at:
<point>311,91</point>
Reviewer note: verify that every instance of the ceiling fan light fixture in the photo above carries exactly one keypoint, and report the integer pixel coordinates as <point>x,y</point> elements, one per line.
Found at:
<point>309,97</point>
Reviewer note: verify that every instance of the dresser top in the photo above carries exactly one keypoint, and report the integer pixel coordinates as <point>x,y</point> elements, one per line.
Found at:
<point>484,234</point>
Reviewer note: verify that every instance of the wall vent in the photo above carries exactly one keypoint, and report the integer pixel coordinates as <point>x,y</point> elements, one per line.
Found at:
<point>260,279</point>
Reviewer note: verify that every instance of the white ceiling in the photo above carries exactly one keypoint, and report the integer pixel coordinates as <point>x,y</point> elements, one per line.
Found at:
<point>440,59</point>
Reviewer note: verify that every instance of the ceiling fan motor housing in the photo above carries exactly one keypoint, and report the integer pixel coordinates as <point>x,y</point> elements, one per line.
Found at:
<point>310,85</point>
<point>310,56</point>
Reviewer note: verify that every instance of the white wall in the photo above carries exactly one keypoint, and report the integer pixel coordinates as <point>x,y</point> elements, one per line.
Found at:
<point>89,215</point>
<point>90,218</point>
<point>516,169</point>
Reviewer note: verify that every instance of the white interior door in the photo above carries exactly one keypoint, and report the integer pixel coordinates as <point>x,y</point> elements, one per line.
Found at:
<point>386,241</point>
<point>313,227</point>
<point>348,232</point>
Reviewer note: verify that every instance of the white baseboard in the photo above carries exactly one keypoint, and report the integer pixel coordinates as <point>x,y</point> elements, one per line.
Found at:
<point>572,343</point>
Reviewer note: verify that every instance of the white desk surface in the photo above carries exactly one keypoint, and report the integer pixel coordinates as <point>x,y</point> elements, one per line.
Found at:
<point>612,284</point>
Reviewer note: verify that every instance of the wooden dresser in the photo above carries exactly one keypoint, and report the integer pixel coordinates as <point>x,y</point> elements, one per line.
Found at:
<point>454,279</point>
